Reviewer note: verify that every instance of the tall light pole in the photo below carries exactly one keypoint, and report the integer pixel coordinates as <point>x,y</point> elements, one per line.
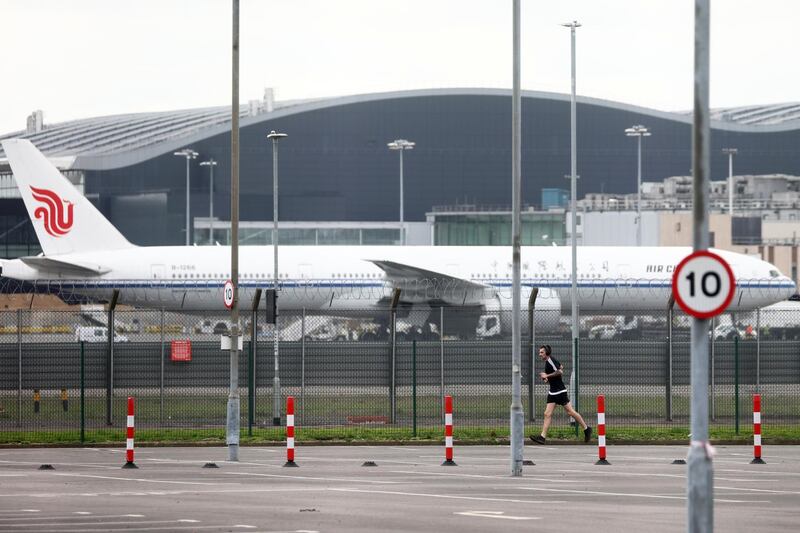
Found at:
<point>401,145</point>
<point>189,154</point>
<point>276,381</point>
<point>210,164</point>
<point>232,416</point>
<point>700,467</point>
<point>638,131</point>
<point>730,153</point>
<point>574,208</point>
<point>516,415</point>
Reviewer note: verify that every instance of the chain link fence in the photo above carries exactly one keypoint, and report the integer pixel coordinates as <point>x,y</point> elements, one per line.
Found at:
<point>68,373</point>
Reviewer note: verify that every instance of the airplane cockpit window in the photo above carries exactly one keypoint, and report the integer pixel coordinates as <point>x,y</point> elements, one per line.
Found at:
<point>774,274</point>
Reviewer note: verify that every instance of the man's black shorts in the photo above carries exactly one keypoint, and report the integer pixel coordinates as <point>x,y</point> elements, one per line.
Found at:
<point>561,398</point>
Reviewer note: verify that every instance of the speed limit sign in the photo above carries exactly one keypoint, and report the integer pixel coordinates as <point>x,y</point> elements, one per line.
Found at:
<point>703,284</point>
<point>227,294</point>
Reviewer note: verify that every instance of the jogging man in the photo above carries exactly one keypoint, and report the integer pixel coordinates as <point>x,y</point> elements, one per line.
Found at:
<point>557,395</point>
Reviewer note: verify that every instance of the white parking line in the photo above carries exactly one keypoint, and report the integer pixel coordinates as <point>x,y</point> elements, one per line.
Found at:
<point>481,476</point>
<point>770,491</point>
<point>445,496</point>
<point>144,480</point>
<point>21,511</point>
<point>353,480</point>
<point>83,515</point>
<point>632,495</point>
<point>497,514</point>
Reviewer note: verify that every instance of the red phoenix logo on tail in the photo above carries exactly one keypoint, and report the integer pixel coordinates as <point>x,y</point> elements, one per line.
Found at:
<point>57,220</point>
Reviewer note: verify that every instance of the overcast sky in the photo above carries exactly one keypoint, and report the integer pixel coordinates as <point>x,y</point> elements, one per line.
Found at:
<point>83,58</point>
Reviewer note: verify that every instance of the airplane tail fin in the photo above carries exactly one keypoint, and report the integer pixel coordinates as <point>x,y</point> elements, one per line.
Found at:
<point>64,220</point>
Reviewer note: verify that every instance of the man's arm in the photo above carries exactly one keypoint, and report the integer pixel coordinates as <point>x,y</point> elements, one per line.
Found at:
<point>559,372</point>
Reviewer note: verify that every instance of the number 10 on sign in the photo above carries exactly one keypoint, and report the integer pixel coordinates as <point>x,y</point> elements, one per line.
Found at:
<point>703,284</point>
<point>227,294</point>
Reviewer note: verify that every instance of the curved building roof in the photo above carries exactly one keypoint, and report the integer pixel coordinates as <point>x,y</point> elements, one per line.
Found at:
<point>120,140</point>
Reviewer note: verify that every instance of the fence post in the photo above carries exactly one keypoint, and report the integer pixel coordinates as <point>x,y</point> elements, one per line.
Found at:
<point>441,361</point>
<point>736,378</point>
<point>713,373</point>
<point>577,384</point>
<point>83,392</point>
<point>250,359</point>
<point>392,389</point>
<point>758,350</point>
<point>110,366</point>
<point>161,388</point>
<point>19,384</point>
<point>532,329</point>
<point>414,382</point>
<point>669,359</point>
<point>303,367</point>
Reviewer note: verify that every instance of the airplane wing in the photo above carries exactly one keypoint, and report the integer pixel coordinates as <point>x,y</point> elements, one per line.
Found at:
<point>64,267</point>
<point>421,284</point>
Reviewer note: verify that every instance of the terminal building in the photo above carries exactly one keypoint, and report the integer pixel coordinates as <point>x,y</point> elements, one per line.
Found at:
<point>339,183</point>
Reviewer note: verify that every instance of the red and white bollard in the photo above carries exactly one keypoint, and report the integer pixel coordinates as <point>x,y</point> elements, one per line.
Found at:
<point>757,460</point>
<point>601,430</point>
<point>290,431</point>
<point>129,437</point>
<point>448,432</point>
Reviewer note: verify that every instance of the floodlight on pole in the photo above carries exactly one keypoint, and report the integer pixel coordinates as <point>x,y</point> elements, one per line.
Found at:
<point>401,145</point>
<point>730,152</point>
<point>276,381</point>
<point>210,164</point>
<point>638,131</point>
<point>189,154</point>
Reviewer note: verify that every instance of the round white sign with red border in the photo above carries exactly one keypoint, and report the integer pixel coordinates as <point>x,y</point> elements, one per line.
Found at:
<point>703,284</point>
<point>227,294</point>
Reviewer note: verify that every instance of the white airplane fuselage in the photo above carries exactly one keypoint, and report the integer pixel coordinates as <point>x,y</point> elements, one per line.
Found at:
<point>341,278</point>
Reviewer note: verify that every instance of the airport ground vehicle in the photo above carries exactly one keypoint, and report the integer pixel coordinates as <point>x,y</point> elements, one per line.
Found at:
<point>96,334</point>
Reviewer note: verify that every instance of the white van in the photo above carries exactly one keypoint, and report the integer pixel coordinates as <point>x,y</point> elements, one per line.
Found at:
<point>96,334</point>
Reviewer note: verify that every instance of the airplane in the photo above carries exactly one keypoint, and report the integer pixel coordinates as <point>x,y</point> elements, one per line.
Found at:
<point>84,254</point>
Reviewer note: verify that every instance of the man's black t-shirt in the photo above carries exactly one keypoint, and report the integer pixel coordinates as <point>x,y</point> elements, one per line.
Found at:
<point>556,383</point>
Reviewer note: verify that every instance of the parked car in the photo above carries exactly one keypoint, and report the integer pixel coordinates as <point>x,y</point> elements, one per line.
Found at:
<point>728,332</point>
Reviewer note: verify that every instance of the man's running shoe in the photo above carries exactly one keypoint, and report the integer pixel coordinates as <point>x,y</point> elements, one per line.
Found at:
<point>587,434</point>
<point>538,439</point>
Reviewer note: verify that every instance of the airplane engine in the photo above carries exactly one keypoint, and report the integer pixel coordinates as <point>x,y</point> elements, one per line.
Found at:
<point>546,313</point>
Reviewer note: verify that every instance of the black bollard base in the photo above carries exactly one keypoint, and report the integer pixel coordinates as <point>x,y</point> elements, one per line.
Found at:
<point>602,462</point>
<point>210,465</point>
<point>291,464</point>
<point>679,462</point>
<point>449,462</point>
<point>369,463</point>
<point>528,462</point>
<point>758,461</point>
<point>47,467</point>
<point>130,464</point>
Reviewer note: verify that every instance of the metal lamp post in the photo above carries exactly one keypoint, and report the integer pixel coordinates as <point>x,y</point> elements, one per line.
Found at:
<point>574,210</point>
<point>401,145</point>
<point>276,382</point>
<point>638,131</point>
<point>210,164</point>
<point>730,152</point>
<point>188,153</point>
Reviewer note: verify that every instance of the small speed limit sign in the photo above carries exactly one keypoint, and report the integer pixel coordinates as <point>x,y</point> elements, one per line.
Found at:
<point>227,294</point>
<point>703,284</point>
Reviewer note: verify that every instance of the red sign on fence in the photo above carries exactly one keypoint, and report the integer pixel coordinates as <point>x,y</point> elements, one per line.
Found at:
<point>181,351</point>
